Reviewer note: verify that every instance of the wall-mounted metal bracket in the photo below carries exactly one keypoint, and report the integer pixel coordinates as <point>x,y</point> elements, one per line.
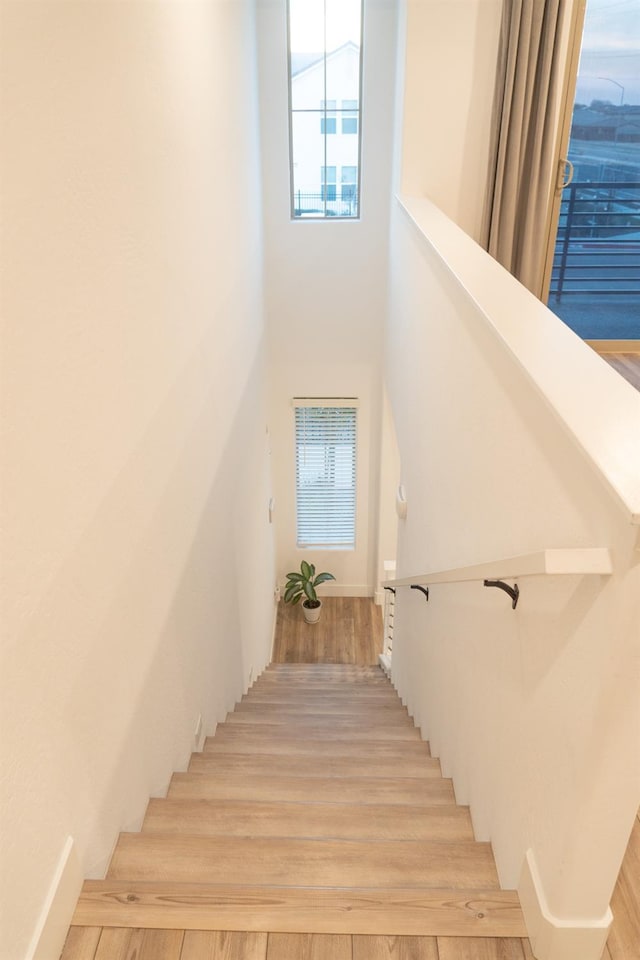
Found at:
<point>390,589</point>
<point>513,591</point>
<point>425,590</point>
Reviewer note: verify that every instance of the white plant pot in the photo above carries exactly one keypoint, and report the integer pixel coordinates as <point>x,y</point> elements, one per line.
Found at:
<point>311,615</point>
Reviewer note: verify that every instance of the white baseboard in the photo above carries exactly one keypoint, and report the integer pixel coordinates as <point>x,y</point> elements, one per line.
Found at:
<point>552,938</point>
<point>385,662</point>
<point>59,906</point>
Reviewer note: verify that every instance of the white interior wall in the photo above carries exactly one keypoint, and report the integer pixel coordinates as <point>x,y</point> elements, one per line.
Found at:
<point>451,48</point>
<point>326,291</point>
<point>137,556</point>
<point>534,713</point>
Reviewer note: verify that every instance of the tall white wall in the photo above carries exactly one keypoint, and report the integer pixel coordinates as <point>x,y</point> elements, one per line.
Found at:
<point>534,713</point>
<point>137,558</point>
<point>326,290</point>
<point>449,69</point>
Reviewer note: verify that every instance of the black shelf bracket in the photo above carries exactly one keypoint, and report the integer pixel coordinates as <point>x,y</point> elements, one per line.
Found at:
<point>425,590</point>
<point>390,589</point>
<point>513,592</point>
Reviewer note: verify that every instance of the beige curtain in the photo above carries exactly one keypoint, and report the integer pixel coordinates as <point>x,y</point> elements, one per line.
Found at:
<point>523,165</point>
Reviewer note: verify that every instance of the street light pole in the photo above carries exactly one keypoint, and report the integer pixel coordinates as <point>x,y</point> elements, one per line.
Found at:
<point>617,85</point>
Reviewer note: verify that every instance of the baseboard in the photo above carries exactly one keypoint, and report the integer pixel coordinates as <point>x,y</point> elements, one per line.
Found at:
<point>60,903</point>
<point>552,938</point>
<point>385,662</point>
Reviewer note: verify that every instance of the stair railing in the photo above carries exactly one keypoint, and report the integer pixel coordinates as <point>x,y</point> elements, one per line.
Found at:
<point>494,573</point>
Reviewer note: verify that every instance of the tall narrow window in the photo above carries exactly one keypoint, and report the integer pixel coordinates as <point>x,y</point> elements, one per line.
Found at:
<point>325,68</point>
<point>325,473</point>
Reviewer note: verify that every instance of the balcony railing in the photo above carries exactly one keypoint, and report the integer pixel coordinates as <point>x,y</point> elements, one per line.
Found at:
<point>333,202</point>
<point>598,242</point>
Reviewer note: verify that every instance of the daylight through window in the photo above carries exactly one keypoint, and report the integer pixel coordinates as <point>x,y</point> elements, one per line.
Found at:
<point>325,473</point>
<point>325,107</point>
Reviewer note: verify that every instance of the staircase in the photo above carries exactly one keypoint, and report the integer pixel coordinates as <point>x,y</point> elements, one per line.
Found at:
<point>315,808</point>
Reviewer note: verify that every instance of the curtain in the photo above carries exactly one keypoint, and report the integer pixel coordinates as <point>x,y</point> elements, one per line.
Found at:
<point>523,160</point>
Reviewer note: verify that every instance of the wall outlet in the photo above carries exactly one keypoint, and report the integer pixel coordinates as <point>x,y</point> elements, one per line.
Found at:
<point>276,593</point>
<point>197,733</point>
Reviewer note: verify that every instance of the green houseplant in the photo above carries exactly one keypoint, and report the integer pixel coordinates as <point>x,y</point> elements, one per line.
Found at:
<point>302,586</point>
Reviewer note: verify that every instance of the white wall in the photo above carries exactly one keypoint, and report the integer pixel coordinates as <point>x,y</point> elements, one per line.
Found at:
<point>137,556</point>
<point>326,290</point>
<point>534,713</point>
<point>451,51</point>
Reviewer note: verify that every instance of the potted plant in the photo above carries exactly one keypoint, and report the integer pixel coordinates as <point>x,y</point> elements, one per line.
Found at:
<point>302,586</point>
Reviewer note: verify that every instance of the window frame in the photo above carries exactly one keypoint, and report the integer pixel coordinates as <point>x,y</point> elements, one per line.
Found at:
<point>332,403</point>
<point>323,114</point>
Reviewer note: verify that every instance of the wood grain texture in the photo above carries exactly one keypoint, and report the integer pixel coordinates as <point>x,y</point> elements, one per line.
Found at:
<point>307,819</point>
<point>627,365</point>
<point>261,743</point>
<point>406,912</point>
<point>223,945</point>
<point>624,938</point>
<point>81,943</point>
<point>306,946</point>
<point>303,863</point>
<point>349,631</point>
<point>476,948</point>
<point>395,726</point>
<point>363,709</point>
<point>135,944</point>
<point>308,766</point>
<point>366,790</point>
<point>395,948</point>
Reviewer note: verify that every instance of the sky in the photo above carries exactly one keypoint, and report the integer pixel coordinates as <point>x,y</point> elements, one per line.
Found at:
<point>610,52</point>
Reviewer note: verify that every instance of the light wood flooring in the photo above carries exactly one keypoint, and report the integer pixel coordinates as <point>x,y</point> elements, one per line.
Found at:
<point>349,631</point>
<point>289,771</point>
<point>627,365</point>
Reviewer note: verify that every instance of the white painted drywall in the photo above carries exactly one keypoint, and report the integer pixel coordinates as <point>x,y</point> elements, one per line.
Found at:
<point>326,291</point>
<point>137,557</point>
<point>451,49</point>
<point>534,713</point>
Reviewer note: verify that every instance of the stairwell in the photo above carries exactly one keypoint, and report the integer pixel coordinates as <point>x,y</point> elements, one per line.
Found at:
<point>315,808</point>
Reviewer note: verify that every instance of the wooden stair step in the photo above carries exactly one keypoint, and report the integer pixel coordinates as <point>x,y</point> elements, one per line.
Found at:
<point>349,821</point>
<point>435,912</point>
<point>303,863</point>
<point>323,669</point>
<point>229,784</point>
<point>290,690</point>
<point>226,742</point>
<point>318,727</point>
<point>327,705</point>
<point>314,766</point>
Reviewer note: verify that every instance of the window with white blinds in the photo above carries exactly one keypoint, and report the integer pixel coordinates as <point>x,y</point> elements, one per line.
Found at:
<point>326,473</point>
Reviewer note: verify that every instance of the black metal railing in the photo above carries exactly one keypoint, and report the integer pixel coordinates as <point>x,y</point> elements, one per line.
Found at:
<point>333,202</point>
<point>598,242</point>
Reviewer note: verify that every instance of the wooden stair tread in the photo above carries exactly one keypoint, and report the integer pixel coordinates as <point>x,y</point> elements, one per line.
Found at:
<point>324,705</point>
<point>315,765</point>
<point>319,726</point>
<point>435,912</point>
<point>268,786</point>
<point>302,862</point>
<point>308,819</point>
<point>318,747</point>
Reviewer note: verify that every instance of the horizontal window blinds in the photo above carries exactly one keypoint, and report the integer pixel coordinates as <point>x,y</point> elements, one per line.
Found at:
<point>325,475</point>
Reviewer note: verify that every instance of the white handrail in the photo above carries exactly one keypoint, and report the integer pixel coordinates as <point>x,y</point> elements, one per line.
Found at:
<point>570,560</point>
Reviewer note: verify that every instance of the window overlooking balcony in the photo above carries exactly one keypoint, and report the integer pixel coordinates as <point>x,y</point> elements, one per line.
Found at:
<point>595,280</point>
<point>325,106</point>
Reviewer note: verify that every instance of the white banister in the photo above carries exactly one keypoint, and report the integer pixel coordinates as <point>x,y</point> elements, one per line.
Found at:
<point>569,560</point>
